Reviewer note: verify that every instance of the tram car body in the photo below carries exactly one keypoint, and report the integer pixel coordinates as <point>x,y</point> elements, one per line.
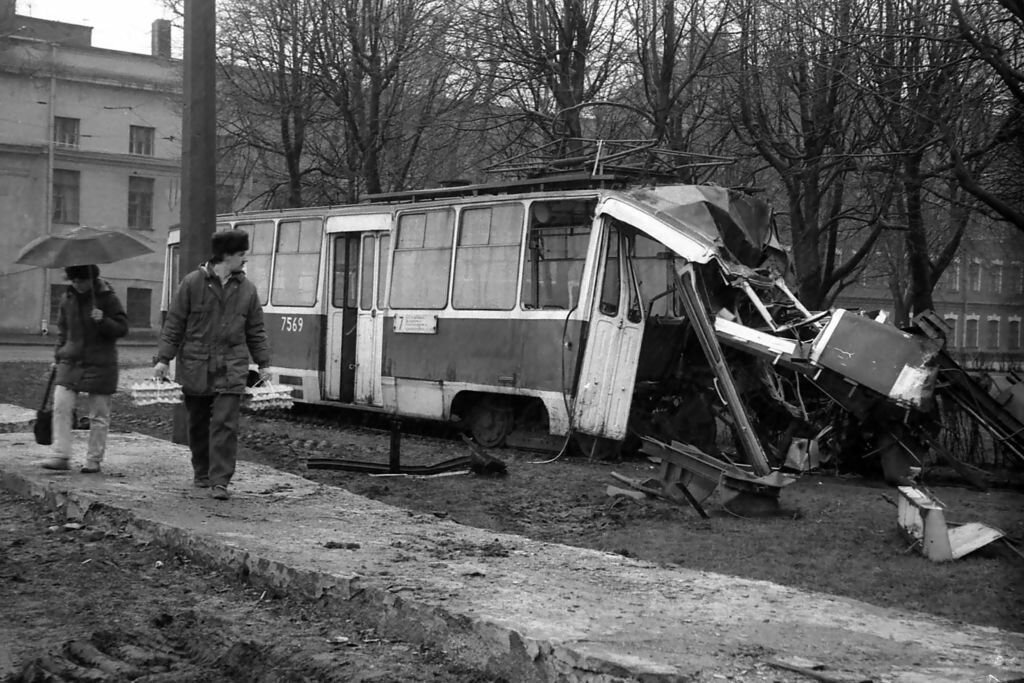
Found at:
<point>555,307</point>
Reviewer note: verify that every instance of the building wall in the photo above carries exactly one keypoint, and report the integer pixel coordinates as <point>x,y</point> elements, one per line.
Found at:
<point>22,173</point>
<point>980,296</point>
<point>108,92</point>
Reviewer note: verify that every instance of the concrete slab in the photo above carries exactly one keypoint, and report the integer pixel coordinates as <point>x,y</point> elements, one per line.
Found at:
<point>525,609</point>
<point>15,418</point>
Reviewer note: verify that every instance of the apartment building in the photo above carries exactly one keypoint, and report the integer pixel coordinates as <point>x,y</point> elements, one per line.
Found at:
<point>88,136</point>
<point>980,297</point>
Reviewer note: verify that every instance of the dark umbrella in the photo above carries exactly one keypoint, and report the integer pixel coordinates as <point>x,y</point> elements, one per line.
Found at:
<point>80,247</point>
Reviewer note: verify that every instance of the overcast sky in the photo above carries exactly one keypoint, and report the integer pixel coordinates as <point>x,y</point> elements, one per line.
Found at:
<point>117,24</point>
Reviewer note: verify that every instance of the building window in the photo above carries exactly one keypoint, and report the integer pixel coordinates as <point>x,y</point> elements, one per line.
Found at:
<point>1013,334</point>
<point>65,132</point>
<point>140,140</point>
<point>225,198</point>
<point>139,306</point>
<point>140,203</point>
<point>971,333</point>
<point>487,257</point>
<point>1017,279</point>
<point>57,293</point>
<point>974,275</point>
<point>952,337</point>
<point>954,276</point>
<point>65,196</point>
<point>992,333</point>
<point>422,261</point>
<point>996,276</point>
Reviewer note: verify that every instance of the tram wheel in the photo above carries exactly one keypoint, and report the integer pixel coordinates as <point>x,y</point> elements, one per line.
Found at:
<point>490,423</point>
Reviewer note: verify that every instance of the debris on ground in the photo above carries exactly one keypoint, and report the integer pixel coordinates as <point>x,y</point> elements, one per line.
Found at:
<point>922,521</point>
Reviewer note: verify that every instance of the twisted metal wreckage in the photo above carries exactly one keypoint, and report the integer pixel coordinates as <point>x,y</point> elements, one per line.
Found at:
<point>740,347</point>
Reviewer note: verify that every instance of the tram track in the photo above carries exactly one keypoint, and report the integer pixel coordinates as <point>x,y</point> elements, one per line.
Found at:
<point>288,438</point>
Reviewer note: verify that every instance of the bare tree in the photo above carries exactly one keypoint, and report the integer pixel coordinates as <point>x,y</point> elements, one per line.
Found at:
<point>545,62</point>
<point>679,49</point>
<point>268,101</point>
<point>383,66</point>
<point>996,34</point>
<point>929,99</point>
<point>796,107</point>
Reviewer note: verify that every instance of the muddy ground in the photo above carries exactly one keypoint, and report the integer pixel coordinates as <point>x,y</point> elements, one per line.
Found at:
<point>68,592</point>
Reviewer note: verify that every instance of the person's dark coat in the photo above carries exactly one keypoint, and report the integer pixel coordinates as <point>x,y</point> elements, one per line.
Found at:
<point>86,352</point>
<point>212,329</point>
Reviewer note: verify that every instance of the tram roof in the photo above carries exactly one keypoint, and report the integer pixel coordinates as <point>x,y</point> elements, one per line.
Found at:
<point>712,219</point>
<point>547,183</point>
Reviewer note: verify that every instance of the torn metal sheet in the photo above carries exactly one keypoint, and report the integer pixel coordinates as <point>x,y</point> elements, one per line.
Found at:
<point>700,475</point>
<point>881,357</point>
<point>803,455</point>
<point>922,520</point>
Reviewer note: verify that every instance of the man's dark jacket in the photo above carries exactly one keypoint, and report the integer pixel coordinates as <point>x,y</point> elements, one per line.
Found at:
<point>212,329</point>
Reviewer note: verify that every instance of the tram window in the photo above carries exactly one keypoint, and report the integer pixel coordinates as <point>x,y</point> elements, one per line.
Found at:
<point>382,278</point>
<point>612,284</point>
<point>261,245</point>
<point>298,262</point>
<point>652,262</point>
<point>175,262</point>
<point>487,257</point>
<point>556,249</point>
<point>634,309</point>
<point>343,283</point>
<point>366,272</point>
<point>422,263</point>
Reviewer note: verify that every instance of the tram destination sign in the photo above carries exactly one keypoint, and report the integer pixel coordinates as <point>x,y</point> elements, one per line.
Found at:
<point>416,323</point>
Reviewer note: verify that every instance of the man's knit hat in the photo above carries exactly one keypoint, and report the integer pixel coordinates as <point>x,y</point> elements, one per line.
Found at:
<point>229,242</point>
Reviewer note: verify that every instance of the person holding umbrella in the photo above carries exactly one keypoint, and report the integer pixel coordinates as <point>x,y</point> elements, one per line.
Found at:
<point>90,321</point>
<point>214,324</point>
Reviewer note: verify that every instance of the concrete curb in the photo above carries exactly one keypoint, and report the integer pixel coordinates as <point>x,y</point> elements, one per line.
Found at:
<point>523,609</point>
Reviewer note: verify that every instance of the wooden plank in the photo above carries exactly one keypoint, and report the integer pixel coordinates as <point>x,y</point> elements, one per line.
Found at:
<point>616,491</point>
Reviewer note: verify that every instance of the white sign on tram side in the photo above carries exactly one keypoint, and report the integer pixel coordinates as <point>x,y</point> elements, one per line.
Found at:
<point>416,323</point>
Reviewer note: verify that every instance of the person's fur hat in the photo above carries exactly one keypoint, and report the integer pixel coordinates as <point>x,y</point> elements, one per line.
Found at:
<point>229,242</point>
<point>82,272</point>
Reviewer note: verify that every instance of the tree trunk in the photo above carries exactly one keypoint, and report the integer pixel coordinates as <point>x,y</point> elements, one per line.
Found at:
<point>918,261</point>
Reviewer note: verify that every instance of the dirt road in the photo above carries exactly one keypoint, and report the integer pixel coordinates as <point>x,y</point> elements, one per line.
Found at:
<point>836,535</point>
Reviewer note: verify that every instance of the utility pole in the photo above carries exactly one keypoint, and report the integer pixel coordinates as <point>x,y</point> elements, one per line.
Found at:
<point>51,109</point>
<point>198,151</point>
<point>198,135</point>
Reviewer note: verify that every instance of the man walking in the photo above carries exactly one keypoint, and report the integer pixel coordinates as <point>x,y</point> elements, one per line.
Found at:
<point>214,324</point>
<point>90,321</point>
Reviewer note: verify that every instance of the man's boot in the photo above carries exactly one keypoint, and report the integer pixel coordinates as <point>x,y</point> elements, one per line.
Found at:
<point>56,463</point>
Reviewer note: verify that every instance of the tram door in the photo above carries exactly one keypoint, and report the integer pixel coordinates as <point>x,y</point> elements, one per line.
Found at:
<point>370,326</point>
<point>608,370</point>
<point>342,317</point>
<point>353,334</point>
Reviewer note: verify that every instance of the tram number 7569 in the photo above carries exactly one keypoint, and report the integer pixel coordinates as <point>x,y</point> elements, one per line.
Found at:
<point>291,323</point>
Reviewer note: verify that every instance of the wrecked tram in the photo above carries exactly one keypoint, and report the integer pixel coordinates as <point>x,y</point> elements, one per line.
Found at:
<point>578,308</point>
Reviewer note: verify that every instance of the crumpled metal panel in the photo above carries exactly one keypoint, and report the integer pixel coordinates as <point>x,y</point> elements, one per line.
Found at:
<point>719,222</point>
<point>881,357</point>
